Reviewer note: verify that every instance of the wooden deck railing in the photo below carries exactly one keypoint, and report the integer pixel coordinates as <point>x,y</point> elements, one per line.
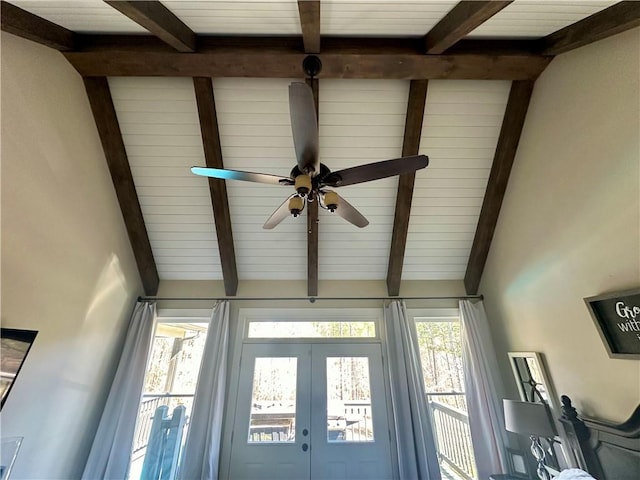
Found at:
<point>357,414</point>
<point>451,425</point>
<point>453,437</point>
<point>150,402</point>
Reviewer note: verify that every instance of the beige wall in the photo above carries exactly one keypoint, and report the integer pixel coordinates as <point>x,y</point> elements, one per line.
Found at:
<point>298,289</point>
<point>67,267</point>
<point>570,224</point>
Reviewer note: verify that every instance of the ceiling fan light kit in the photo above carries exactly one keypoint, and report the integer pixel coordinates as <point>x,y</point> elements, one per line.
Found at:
<point>331,201</point>
<point>309,177</point>
<point>303,184</point>
<point>296,205</point>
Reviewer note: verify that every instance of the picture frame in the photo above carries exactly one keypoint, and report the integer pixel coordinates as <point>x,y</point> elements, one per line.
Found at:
<point>534,385</point>
<point>533,381</point>
<point>517,462</point>
<point>14,348</point>
<point>616,316</point>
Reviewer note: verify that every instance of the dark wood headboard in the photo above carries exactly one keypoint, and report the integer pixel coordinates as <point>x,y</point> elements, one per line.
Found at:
<point>605,450</point>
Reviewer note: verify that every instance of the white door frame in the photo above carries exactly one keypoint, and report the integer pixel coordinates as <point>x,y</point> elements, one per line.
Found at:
<point>246,315</point>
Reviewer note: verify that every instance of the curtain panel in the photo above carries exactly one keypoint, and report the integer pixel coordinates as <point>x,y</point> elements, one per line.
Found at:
<point>416,448</point>
<point>484,391</point>
<point>111,449</point>
<point>201,455</point>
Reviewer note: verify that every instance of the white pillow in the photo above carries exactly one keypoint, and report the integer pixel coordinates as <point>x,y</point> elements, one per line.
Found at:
<point>573,474</point>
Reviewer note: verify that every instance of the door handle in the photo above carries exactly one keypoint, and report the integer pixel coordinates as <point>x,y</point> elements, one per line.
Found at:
<point>305,447</point>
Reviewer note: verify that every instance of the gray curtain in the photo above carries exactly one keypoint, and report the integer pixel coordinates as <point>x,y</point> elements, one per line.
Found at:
<point>201,455</point>
<point>483,389</point>
<point>111,450</point>
<point>416,447</point>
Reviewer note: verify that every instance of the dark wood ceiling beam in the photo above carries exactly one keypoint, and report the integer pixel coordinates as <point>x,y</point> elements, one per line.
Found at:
<point>465,17</point>
<point>291,44</point>
<point>618,18</point>
<point>410,146</point>
<point>287,63</point>
<point>508,140</point>
<point>27,25</point>
<point>309,11</point>
<point>159,20</point>
<point>109,130</point>
<point>217,188</point>
<point>312,218</point>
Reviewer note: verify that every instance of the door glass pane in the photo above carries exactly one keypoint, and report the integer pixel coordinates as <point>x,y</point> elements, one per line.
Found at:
<point>273,401</point>
<point>348,400</point>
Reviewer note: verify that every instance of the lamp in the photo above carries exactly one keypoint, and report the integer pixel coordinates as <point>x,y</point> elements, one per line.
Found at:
<point>530,419</point>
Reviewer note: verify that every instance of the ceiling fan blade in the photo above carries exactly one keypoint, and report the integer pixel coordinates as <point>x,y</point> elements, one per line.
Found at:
<point>375,171</point>
<point>350,214</point>
<point>304,126</point>
<point>279,215</point>
<point>225,174</point>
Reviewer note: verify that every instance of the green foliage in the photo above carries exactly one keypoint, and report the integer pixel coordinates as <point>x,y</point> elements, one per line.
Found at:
<point>441,357</point>
<point>174,363</point>
<point>274,379</point>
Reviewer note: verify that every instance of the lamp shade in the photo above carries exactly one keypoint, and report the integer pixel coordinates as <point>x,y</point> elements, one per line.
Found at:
<point>527,418</point>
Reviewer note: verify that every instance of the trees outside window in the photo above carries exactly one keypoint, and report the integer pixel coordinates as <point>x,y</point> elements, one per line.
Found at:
<point>440,344</point>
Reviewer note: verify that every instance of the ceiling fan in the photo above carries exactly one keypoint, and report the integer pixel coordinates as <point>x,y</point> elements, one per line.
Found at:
<point>311,179</point>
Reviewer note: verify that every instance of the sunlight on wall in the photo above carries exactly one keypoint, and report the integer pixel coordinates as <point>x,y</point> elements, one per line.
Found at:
<point>110,298</point>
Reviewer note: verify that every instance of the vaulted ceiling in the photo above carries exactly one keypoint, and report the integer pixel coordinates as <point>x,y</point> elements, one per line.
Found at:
<point>174,84</point>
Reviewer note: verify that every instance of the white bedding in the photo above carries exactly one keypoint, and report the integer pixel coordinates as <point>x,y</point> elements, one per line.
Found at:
<point>573,474</point>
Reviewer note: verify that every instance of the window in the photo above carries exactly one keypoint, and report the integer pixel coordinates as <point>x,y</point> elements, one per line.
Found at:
<point>441,357</point>
<point>167,395</point>
<point>321,329</point>
<point>317,323</point>
<point>440,344</point>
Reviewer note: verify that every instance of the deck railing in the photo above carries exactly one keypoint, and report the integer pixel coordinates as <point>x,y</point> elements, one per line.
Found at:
<point>150,402</point>
<point>453,436</point>
<point>451,426</point>
<point>357,415</point>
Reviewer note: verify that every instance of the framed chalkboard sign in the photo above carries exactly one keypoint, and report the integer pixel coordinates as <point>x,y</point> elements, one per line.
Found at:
<point>617,318</point>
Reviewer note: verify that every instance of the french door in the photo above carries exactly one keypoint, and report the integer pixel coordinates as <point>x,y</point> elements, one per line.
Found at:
<point>311,411</point>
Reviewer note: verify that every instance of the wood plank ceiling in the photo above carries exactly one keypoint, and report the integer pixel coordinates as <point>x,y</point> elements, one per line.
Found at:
<point>179,83</point>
